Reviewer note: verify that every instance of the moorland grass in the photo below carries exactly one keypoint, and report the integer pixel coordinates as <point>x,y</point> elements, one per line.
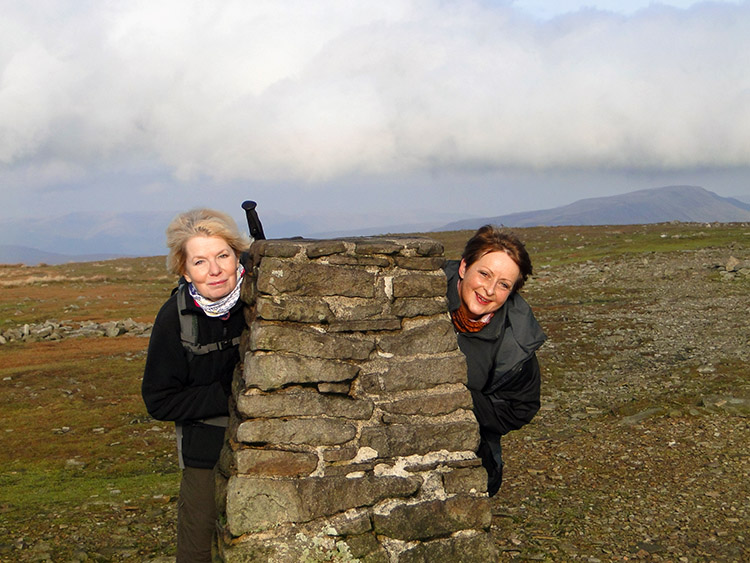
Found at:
<point>76,443</point>
<point>29,491</point>
<point>559,245</point>
<point>76,437</point>
<point>87,291</point>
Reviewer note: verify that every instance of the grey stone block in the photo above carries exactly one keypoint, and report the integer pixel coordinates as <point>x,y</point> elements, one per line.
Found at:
<point>309,342</point>
<point>277,405</point>
<point>409,439</point>
<point>273,371</point>
<point>433,519</point>
<point>285,277</point>
<point>319,432</point>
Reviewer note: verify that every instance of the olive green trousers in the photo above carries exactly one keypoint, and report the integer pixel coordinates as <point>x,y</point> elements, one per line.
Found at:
<point>196,516</point>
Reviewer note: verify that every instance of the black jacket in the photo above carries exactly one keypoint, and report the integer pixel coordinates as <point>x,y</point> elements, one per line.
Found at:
<point>502,370</point>
<point>188,389</point>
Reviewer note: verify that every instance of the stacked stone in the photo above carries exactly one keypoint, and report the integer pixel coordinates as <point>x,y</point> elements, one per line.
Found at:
<point>352,436</point>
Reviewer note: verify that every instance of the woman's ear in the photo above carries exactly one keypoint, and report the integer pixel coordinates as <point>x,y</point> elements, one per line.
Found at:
<point>462,269</point>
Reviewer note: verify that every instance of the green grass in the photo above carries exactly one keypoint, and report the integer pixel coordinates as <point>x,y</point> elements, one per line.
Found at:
<point>72,515</point>
<point>77,399</point>
<point>80,456</point>
<point>560,245</point>
<point>69,487</point>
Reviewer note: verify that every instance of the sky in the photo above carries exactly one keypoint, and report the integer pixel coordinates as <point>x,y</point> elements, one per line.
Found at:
<point>336,114</point>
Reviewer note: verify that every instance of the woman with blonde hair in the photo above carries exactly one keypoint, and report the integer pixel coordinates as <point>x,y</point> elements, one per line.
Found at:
<point>191,358</point>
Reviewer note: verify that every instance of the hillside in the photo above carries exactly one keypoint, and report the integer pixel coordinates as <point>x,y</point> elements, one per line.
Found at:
<point>82,236</point>
<point>16,254</point>
<point>639,452</point>
<point>656,205</point>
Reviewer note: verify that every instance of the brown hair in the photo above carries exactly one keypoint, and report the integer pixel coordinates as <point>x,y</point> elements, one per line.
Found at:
<point>201,222</point>
<point>491,239</point>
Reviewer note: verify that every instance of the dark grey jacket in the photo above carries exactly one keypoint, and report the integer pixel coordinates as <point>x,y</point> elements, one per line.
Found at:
<point>502,370</point>
<point>189,390</point>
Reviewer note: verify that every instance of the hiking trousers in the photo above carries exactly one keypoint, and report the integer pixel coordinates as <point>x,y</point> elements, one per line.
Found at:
<point>196,515</point>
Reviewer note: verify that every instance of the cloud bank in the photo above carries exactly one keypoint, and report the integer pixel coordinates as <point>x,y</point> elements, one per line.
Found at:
<point>314,91</point>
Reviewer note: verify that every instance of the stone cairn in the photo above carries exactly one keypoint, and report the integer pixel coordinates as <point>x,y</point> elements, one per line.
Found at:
<point>351,436</point>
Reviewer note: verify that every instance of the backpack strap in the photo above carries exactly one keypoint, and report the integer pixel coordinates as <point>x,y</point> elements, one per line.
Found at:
<point>189,330</point>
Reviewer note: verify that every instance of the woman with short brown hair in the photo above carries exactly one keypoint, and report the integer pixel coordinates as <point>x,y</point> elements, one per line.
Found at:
<point>499,336</point>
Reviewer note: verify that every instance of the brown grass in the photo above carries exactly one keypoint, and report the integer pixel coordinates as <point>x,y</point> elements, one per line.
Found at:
<point>87,291</point>
<point>83,468</point>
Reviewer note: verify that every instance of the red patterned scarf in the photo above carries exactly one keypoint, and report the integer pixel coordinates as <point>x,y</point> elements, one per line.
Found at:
<point>463,323</point>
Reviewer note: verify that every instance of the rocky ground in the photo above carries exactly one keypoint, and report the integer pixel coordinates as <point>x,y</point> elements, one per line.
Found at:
<point>640,451</point>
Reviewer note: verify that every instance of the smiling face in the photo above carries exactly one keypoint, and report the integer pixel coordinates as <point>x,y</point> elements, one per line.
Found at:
<point>487,283</point>
<point>211,266</point>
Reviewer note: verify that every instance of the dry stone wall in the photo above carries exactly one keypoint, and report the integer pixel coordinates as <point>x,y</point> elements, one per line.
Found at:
<point>352,436</point>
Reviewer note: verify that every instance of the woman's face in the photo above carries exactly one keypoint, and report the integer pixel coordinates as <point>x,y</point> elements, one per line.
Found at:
<point>487,283</point>
<point>211,266</point>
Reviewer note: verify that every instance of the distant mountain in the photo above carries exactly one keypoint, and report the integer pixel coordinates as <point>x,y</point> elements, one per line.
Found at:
<point>86,236</point>
<point>656,205</point>
<point>15,254</point>
<point>82,237</point>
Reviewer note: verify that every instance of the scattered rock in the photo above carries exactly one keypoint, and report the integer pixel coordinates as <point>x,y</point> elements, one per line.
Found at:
<point>728,404</point>
<point>643,415</point>
<point>731,265</point>
<point>55,330</point>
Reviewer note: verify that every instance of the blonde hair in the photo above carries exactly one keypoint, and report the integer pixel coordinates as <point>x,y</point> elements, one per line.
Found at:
<point>201,222</point>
